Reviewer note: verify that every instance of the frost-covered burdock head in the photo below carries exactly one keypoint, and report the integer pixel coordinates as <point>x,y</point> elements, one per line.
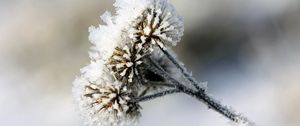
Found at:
<point>105,104</point>
<point>123,62</point>
<point>158,24</point>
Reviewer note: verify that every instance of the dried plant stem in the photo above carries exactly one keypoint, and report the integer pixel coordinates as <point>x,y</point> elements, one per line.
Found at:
<point>196,84</point>
<point>198,94</point>
<point>163,84</point>
<point>217,106</point>
<point>156,95</point>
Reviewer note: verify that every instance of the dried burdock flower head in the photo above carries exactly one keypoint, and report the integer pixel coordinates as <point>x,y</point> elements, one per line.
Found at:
<point>159,24</point>
<point>106,104</point>
<point>124,61</point>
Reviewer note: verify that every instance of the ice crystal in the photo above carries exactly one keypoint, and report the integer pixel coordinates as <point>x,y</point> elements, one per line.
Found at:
<point>94,70</point>
<point>104,38</point>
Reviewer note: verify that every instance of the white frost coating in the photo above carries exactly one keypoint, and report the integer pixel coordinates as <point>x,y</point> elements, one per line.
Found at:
<point>94,71</point>
<point>78,88</point>
<point>129,10</point>
<point>104,37</point>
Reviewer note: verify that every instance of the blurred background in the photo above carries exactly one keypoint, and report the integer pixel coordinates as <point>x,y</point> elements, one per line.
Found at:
<point>247,51</point>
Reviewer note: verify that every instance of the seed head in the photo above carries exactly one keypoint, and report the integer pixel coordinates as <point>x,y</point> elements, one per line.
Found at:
<point>124,61</point>
<point>107,104</point>
<point>159,25</point>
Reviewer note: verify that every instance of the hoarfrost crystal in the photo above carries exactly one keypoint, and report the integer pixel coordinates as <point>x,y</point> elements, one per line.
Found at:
<point>104,38</point>
<point>93,71</point>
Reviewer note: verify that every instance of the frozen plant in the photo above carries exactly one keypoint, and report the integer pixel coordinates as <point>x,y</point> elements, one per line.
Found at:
<point>132,62</point>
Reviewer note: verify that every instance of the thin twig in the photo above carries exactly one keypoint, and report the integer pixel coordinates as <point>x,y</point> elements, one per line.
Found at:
<point>217,106</point>
<point>156,64</point>
<point>156,95</point>
<point>164,84</point>
<point>143,93</point>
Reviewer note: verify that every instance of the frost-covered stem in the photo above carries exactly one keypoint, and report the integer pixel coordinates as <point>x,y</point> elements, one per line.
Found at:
<point>217,106</point>
<point>201,95</point>
<point>183,70</point>
<point>161,84</point>
<point>153,62</point>
<point>156,95</point>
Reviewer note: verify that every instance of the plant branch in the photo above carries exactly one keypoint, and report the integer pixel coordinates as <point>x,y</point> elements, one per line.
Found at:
<point>201,95</point>
<point>217,106</point>
<point>156,95</point>
<point>164,84</point>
